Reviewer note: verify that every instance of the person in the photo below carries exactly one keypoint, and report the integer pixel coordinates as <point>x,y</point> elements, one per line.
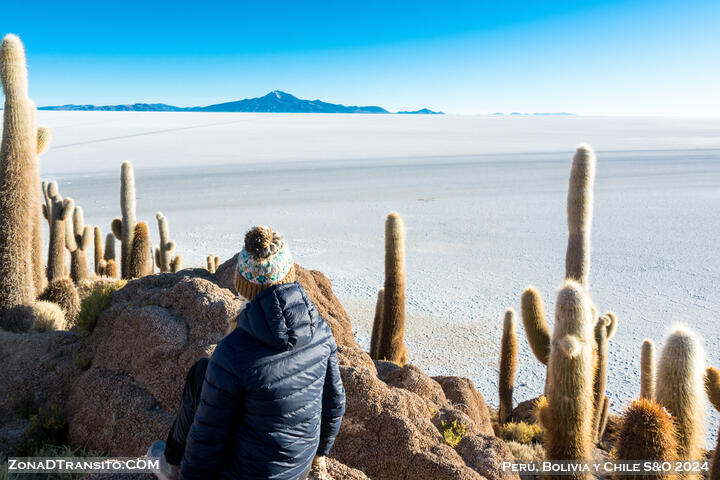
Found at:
<point>269,402</point>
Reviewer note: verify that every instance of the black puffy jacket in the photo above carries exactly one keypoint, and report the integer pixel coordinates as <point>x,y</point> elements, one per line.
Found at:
<point>272,397</point>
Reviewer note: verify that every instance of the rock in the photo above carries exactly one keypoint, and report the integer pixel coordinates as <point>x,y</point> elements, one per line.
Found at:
<point>338,471</point>
<point>384,368</point>
<point>463,395</point>
<point>412,379</point>
<point>524,412</point>
<point>37,368</point>
<point>485,454</point>
<point>12,433</point>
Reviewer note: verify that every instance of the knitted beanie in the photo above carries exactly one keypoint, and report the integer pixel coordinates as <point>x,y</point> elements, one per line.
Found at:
<point>263,262</point>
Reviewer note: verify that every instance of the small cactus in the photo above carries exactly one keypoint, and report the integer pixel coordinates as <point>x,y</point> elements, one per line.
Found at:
<point>566,411</point>
<point>141,259</point>
<point>377,326</point>
<point>164,258</point>
<point>712,386</point>
<point>392,346</point>
<point>536,325</point>
<point>57,212</point>
<point>78,239</point>
<point>647,432</point>
<point>124,228</point>
<point>508,364</point>
<point>108,268</point>
<point>109,253</point>
<point>647,370</point>
<point>212,263</point>
<point>603,327</point>
<point>680,388</point>
<point>579,215</point>
<point>64,293</point>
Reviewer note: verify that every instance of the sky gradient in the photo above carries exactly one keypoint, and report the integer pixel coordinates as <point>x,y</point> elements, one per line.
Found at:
<point>471,57</point>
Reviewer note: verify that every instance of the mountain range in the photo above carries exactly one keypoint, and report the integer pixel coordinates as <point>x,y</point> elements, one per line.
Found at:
<point>275,101</point>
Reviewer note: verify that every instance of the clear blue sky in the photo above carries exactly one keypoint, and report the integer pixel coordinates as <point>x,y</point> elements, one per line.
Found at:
<point>589,57</point>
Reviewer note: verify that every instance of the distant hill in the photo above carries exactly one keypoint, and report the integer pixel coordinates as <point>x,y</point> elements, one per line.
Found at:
<point>422,111</point>
<point>275,101</point>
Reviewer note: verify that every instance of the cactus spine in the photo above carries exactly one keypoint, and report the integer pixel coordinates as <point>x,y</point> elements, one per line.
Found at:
<point>647,432</point>
<point>579,215</point>
<point>19,183</point>
<point>647,370</point>
<point>57,212</point>
<point>508,364</point>
<point>566,414</point>
<point>124,229</point>
<point>536,325</point>
<point>78,238</point>
<point>141,261</point>
<point>377,326</point>
<point>164,258</point>
<point>680,388</point>
<point>392,347</point>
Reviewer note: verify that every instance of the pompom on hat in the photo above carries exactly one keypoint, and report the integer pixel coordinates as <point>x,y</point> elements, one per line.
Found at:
<point>263,262</point>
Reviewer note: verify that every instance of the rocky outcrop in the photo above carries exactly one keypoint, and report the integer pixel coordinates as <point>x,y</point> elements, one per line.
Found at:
<point>157,326</point>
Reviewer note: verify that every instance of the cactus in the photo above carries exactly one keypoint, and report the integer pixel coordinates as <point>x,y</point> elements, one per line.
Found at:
<point>603,328</point>
<point>535,322</point>
<point>212,263</point>
<point>124,228</point>
<point>141,259</point>
<point>78,238</point>
<point>377,326</point>
<point>63,292</point>
<point>647,432</point>
<point>712,387</point>
<point>20,242</point>
<point>391,346</point>
<point>647,370</point>
<point>566,411</point>
<point>164,258</point>
<point>579,215</point>
<point>108,268</point>
<point>680,388</point>
<point>57,212</point>
<point>508,364</point>
<point>98,249</point>
<point>109,253</point>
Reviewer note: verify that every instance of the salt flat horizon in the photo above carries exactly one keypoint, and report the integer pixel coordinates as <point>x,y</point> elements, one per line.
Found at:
<point>483,200</point>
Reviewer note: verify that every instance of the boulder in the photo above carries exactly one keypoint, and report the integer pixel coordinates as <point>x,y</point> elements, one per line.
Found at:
<point>486,454</point>
<point>463,395</point>
<point>524,412</point>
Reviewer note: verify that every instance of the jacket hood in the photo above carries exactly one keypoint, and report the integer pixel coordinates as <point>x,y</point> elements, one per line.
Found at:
<point>281,317</point>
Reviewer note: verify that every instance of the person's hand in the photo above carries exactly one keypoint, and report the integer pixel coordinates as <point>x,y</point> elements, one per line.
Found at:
<point>318,471</point>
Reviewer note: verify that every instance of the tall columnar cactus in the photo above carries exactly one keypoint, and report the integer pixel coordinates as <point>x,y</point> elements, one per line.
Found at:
<point>97,249</point>
<point>141,259</point>
<point>579,215</point>
<point>567,409</point>
<point>57,212</point>
<point>43,138</point>
<point>508,364</point>
<point>647,370</point>
<point>377,326</point>
<point>124,228</point>
<point>712,387</point>
<point>392,345</point>
<point>19,184</point>
<point>647,432</point>
<point>78,239</point>
<point>680,388</point>
<point>536,325</point>
<point>164,258</point>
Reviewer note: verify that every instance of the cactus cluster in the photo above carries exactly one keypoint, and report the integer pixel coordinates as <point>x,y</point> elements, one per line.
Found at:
<point>212,263</point>
<point>78,239</point>
<point>389,326</point>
